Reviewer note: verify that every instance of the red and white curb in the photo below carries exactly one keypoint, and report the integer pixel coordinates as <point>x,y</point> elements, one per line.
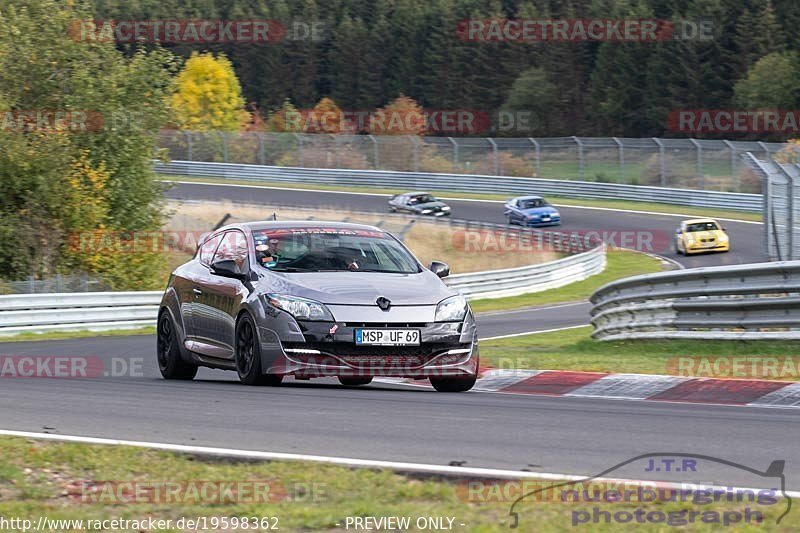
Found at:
<point>745,392</point>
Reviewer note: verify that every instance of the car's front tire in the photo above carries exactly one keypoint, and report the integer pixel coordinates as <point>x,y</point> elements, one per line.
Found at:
<point>453,384</point>
<point>170,362</point>
<point>354,381</point>
<point>248,355</point>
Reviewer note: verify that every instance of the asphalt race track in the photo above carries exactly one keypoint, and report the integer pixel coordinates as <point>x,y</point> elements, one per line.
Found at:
<point>746,238</point>
<point>385,422</point>
<point>396,422</point>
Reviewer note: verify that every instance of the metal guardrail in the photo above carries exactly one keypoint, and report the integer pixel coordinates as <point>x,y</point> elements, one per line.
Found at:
<point>535,278</point>
<point>93,311</point>
<point>463,183</point>
<point>124,310</point>
<point>742,302</point>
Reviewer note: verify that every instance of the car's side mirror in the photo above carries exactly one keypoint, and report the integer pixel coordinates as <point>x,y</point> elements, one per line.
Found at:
<point>440,269</point>
<point>228,268</point>
<point>724,228</point>
<point>679,232</point>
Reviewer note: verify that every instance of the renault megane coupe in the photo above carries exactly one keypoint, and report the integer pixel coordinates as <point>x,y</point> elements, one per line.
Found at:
<point>310,299</point>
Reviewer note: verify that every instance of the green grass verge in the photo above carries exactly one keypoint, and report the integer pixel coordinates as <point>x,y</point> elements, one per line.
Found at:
<point>59,335</point>
<point>48,479</point>
<point>621,264</point>
<point>622,205</point>
<point>573,349</point>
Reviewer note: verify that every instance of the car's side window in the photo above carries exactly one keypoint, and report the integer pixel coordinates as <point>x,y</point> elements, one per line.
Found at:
<point>208,249</point>
<point>233,247</point>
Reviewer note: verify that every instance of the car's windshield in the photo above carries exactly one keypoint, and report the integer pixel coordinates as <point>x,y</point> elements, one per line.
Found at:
<point>533,203</point>
<point>702,226</point>
<point>421,199</point>
<point>321,249</point>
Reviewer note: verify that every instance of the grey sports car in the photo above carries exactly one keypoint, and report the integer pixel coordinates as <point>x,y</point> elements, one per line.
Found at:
<point>419,203</point>
<point>315,299</point>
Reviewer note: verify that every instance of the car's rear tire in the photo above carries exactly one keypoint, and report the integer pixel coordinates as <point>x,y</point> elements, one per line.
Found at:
<point>453,384</point>
<point>170,363</point>
<point>510,221</point>
<point>354,382</point>
<point>248,355</point>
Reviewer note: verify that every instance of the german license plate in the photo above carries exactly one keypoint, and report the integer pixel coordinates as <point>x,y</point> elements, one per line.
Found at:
<point>387,337</point>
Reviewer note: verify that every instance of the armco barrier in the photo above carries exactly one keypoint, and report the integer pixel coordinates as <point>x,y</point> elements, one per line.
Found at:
<point>743,302</point>
<point>100,311</point>
<point>463,183</point>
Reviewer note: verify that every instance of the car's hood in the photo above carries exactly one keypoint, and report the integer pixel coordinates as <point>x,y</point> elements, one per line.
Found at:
<point>361,288</point>
<point>540,211</point>
<point>707,234</point>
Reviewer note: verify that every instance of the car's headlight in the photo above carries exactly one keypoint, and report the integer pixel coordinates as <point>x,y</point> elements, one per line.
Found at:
<point>426,211</point>
<point>300,307</point>
<point>452,309</point>
<point>532,216</point>
<point>446,208</point>
<point>555,214</point>
<point>723,238</point>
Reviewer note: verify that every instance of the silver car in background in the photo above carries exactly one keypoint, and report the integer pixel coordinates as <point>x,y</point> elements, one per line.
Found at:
<point>315,299</point>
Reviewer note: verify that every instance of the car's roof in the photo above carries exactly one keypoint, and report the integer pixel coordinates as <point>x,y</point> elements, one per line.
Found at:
<point>288,224</point>
<point>698,220</point>
<point>415,193</point>
<point>532,197</point>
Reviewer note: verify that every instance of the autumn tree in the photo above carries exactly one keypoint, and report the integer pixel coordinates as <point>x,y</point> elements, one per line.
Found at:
<point>208,96</point>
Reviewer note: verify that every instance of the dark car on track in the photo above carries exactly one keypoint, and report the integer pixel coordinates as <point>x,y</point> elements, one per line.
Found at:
<point>531,211</point>
<point>315,299</point>
<point>418,203</point>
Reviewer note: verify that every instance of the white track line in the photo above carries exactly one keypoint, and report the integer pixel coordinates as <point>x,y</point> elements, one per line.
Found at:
<point>460,471</point>
<point>531,309</point>
<point>532,332</point>
<point>451,198</point>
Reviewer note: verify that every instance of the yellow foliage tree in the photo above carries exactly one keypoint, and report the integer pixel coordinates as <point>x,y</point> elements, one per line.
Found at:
<point>208,96</point>
<point>403,116</point>
<point>326,117</point>
<point>790,153</point>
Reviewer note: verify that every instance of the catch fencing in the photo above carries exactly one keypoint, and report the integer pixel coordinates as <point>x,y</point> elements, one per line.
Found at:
<point>695,164</point>
<point>781,206</point>
<point>461,183</point>
<point>742,302</point>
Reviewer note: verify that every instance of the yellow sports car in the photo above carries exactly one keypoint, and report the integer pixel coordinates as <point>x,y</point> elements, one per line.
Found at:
<point>701,235</point>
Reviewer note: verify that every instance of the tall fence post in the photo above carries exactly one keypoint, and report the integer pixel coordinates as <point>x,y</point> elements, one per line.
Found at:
<point>455,154</point>
<point>789,255</point>
<point>300,161</point>
<point>662,163</point>
<point>262,155</point>
<point>621,149</point>
<point>734,174</point>
<point>376,161</point>
<point>415,143</point>
<point>537,151</point>
<point>580,157</point>
<point>189,141</point>
<point>700,175</point>
<point>495,158</point>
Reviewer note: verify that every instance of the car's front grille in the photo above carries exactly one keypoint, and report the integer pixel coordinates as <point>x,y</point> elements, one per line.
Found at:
<point>386,325</point>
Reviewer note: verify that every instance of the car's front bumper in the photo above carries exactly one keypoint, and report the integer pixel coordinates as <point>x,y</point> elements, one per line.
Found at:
<point>328,349</point>
<point>541,223</point>
<point>701,247</point>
